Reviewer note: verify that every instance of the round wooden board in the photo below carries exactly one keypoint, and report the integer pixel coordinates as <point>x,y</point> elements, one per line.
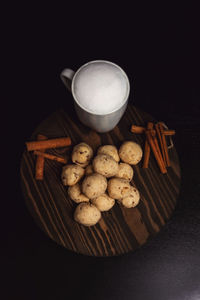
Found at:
<point>120,230</point>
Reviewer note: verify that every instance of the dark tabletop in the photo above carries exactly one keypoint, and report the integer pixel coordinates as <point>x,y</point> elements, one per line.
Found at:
<point>160,56</point>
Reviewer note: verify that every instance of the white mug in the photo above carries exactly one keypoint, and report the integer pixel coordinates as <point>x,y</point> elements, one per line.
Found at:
<point>95,86</point>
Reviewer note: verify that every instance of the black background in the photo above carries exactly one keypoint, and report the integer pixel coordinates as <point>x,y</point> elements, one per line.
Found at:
<point>158,49</point>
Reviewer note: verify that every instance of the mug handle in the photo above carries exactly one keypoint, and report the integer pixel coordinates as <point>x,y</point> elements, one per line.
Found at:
<point>66,76</point>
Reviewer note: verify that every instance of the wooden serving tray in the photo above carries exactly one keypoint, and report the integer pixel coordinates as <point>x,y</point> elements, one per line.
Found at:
<point>120,230</point>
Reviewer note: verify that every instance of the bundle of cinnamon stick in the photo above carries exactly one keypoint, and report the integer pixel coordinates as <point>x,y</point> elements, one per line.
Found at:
<point>155,141</point>
<point>39,147</point>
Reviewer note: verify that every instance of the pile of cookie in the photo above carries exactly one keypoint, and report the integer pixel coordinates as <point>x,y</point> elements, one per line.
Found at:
<point>95,183</point>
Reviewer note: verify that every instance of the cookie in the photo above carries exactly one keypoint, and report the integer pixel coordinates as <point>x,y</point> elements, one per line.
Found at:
<point>94,185</point>
<point>105,165</point>
<point>82,154</point>
<point>103,202</point>
<point>125,171</point>
<point>130,153</point>
<point>109,150</point>
<point>71,174</point>
<point>132,200</point>
<point>87,214</point>
<point>118,188</point>
<point>76,195</point>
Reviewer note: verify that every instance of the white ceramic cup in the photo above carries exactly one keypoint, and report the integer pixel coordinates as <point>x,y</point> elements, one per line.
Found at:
<point>99,121</point>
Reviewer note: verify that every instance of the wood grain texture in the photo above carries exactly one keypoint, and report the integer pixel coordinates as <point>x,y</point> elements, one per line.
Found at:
<point>120,230</point>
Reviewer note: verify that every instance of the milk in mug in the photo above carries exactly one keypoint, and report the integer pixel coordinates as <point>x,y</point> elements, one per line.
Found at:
<point>100,90</point>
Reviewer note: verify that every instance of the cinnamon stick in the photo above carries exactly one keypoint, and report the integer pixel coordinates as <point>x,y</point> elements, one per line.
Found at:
<point>52,143</point>
<point>169,132</point>
<point>50,156</point>
<point>137,129</point>
<point>158,131</point>
<point>155,140</point>
<point>160,126</point>
<point>140,129</point>
<point>39,167</point>
<point>147,148</point>
<point>155,152</point>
